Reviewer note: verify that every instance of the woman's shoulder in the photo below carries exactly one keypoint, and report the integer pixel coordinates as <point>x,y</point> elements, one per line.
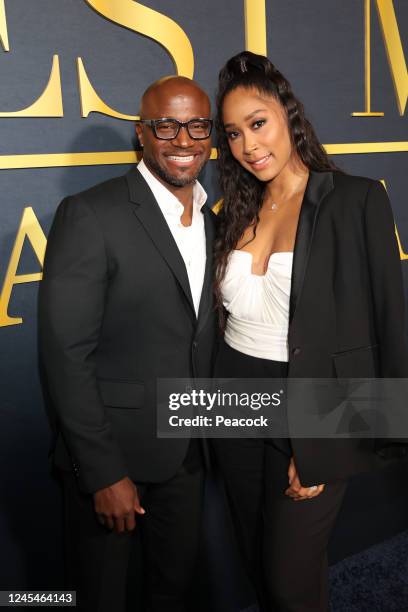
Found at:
<point>355,195</point>
<point>353,183</point>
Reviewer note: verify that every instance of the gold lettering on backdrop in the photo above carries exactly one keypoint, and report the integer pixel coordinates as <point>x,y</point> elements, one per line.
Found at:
<point>49,104</point>
<point>91,102</point>
<point>111,158</point>
<point>29,228</point>
<point>354,148</point>
<point>217,206</point>
<point>255,26</point>
<point>403,255</point>
<point>148,22</point>
<point>395,55</point>
<point>367,65</point>
<point>395,52</point>
<point>3,27</point>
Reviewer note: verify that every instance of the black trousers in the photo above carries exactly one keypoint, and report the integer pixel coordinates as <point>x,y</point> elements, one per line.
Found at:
<point>283,542</point>
<point>97,559</point>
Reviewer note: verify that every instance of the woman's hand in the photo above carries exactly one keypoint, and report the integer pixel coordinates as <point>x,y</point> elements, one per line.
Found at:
<point>295,489</point>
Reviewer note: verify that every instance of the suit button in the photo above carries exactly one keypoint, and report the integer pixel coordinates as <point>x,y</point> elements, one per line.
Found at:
<point>195,344</point>
<point>296,351</point>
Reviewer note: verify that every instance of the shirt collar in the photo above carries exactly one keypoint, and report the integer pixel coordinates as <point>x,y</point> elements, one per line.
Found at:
<point>166,200</point>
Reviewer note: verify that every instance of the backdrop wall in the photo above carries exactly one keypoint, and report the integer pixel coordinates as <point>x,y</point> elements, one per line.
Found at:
<point>72,72</point>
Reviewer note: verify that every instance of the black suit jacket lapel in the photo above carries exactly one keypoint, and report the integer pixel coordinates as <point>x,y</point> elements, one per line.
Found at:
<point>318,186</point>
<point>206,301</point>
<point>150,216</point>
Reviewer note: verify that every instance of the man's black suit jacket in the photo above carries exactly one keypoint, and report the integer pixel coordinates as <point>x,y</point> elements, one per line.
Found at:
<point>347,316</point>
<point>115,314</point>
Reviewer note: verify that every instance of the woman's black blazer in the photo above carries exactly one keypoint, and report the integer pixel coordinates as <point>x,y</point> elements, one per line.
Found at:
<point>346,305</point>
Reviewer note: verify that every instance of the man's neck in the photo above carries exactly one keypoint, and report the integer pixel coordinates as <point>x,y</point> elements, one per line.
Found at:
<point>184,194</point>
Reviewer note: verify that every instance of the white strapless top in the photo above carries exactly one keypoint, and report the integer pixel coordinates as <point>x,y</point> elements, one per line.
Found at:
<point>258,306</point>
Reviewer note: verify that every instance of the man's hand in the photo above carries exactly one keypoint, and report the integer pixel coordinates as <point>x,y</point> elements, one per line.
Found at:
<point>295,489</point>
<point>115,506</point>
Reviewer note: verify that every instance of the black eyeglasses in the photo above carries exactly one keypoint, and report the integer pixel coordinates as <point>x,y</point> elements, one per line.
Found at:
<point>168,129</point>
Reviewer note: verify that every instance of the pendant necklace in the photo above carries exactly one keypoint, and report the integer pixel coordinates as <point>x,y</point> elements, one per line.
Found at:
<point>274,206</point>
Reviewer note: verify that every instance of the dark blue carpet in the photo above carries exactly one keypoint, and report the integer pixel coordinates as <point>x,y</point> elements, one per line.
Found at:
<point>375,580</point>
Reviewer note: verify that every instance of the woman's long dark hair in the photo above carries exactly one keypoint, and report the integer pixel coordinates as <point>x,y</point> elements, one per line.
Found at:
<point>242,192</point>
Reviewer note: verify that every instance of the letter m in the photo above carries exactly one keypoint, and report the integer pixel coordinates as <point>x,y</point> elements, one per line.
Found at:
<point>395,52</point>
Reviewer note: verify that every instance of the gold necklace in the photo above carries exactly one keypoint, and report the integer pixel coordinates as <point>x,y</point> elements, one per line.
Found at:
<point>274,206</point>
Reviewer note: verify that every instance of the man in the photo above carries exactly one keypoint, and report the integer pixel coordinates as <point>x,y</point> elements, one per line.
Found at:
<point>126,299</point>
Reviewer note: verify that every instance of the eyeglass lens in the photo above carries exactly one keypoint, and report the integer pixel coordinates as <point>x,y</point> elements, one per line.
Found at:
<point>169,129</point>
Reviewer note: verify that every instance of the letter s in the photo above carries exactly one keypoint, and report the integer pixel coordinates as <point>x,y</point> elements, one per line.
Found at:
<point>150,23</point>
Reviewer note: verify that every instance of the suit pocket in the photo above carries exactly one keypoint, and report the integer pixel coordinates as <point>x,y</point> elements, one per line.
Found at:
<point>360,362</point>
<point>120,394</point>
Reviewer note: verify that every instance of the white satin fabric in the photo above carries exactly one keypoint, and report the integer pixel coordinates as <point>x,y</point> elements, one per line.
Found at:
<point>258,306</point>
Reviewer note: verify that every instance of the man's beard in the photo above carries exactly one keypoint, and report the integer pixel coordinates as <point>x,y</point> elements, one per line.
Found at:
<point>168,178</point>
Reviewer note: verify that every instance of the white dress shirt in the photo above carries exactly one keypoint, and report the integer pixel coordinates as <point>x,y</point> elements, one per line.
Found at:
<point>190,240</point>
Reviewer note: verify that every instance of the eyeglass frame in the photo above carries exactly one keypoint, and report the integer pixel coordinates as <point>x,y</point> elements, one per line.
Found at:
<point>180,124</point>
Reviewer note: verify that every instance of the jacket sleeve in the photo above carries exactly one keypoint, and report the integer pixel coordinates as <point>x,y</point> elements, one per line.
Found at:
<point>388,297</point>
<point>71,308</point>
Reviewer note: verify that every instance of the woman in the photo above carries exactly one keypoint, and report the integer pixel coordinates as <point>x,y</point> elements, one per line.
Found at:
<point>308,270</point>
